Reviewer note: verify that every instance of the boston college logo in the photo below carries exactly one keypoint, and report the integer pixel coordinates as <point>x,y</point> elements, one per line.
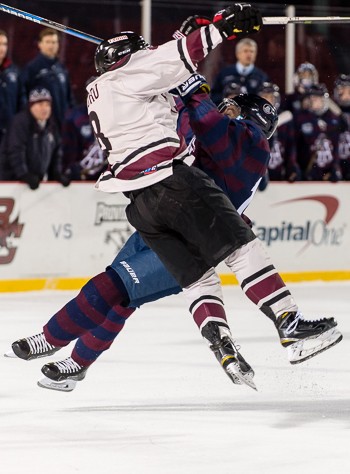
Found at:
<point>8,230</point>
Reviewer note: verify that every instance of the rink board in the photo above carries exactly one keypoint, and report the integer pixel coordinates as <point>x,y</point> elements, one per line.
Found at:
<point>56,238</point>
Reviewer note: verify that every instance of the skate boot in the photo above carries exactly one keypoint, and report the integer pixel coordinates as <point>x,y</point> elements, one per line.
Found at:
<point>32,347</point>
<point>63,375</point>
<point>306,338</point>
<point>221,343</point>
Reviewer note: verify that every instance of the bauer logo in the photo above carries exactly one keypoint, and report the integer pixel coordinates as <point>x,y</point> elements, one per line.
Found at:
<point>9,230</point>
<point>117,38</point>
<point>310,230</point>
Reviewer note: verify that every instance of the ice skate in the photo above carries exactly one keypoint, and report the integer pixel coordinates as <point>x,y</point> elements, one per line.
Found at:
<point>306,338</point>
<point>233,363</point>
<point>32,347</point>
<point>62,375</point>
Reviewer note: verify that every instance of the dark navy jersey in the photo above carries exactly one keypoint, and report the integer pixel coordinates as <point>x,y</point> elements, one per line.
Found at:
<point>52,75</point>
<point>283,164</point>
<point>249,84</point>
<point>11,96</point>
<point>234,153</point>
<point>317,139</point>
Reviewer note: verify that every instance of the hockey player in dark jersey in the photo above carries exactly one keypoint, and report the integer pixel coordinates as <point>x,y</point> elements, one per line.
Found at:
<point>317,137</point>
<point>98,313</point>
<point>283,163</point>
<point>341,95</point>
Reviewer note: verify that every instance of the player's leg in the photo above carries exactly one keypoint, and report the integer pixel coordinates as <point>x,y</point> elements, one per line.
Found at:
<point>263,285</point>
<point>207,308</point>
<point>194,226</point>
<point>82,314</point>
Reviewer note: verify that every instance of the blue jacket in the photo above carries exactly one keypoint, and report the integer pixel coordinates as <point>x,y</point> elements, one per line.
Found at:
<point>52,75</point>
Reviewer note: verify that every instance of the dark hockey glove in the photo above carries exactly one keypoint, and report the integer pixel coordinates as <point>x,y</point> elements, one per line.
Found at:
<point>193,23</point>
<point>31,179</point>
<point>237,20</point>
<point>195,83</point>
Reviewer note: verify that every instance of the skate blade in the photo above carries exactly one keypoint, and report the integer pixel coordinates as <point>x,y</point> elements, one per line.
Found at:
<point>11,355</point>
<point>303,350</point>
<point>239,377</point>
<point>66,386</point>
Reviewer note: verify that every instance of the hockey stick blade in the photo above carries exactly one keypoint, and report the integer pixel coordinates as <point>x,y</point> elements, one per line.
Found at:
<point>51,24</point>
<point>306,20</point>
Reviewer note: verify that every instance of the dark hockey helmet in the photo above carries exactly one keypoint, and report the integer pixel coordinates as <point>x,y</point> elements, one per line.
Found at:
<point>257,109</point>
<point>270,92</point>
<point>341,90</point>
<point>232,89</point>
<point>317,99</point>
<point>113,49</point>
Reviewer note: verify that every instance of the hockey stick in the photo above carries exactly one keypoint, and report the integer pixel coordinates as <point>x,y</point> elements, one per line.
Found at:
<point>273,20</point>
<point>306,20</point>
<point>49,23</point>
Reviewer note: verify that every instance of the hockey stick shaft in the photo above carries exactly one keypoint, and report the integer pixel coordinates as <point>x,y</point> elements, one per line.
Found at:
<point>306,20</point>
<point>51,24</point>
<point>273,20</point>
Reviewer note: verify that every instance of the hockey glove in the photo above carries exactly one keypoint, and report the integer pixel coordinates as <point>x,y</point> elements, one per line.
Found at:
<point>237,20</point>
<point>195,83</point>
<point>31,179</point>
<point>191,24</point>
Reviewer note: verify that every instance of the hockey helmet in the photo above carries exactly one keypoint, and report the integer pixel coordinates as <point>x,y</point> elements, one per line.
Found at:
<point>231,89</point>
<point>305,76</point>
<point>113,49</point>
<point>270,92</point>
<point>254,108</point>
<point>342,90</point>
<point>318,98</point>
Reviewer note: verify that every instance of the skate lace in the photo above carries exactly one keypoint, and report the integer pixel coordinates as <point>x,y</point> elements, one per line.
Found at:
<point>294,324</point>
<point>68,365</point>
<point>38,344</point>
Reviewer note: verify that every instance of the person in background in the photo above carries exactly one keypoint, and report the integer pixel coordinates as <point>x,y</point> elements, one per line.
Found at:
<point>11,96</point>
<point>243,72</point>
<point>341,95</point>
<point>46,71</point>
<point>31,150</point>
<point>83,158</point>
<point>317,137</point>
<point>283,161</point>
<point>305,76</point>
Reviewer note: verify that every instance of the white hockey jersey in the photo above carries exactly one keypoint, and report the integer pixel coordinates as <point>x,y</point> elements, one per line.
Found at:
<point>133,115</point>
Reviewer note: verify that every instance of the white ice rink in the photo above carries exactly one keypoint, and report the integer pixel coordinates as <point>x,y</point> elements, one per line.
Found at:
<point>158,402</point>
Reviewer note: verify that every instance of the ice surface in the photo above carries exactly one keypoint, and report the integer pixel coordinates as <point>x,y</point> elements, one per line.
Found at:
<point>158,403</point>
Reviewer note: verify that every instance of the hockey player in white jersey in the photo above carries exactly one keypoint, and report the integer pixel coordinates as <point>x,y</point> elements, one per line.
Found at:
<point>180,214</point>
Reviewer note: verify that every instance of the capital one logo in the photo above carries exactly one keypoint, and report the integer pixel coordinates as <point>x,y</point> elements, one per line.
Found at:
<point>8,230</point>
<point>313,231</point>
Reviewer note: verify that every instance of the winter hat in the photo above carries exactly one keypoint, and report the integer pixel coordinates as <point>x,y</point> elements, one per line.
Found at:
<point>39,95</point>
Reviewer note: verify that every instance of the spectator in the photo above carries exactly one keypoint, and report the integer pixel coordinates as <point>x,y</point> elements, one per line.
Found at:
<point>283,162</point>
<point>83,158</point>
<point>243,72</point>
<point>31,150</point>
<point>46,71</point>
<point>11,98</point>
<point>305,76</point>
<point>317,136</point>
<point>341,96</point>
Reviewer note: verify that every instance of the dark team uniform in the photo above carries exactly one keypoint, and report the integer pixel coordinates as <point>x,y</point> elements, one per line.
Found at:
<point>344,143</point>
<point>11,94</point>
<point>317,139</point>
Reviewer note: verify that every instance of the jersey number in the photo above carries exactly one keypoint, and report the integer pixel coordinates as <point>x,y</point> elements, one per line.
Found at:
<point>103,141</point>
